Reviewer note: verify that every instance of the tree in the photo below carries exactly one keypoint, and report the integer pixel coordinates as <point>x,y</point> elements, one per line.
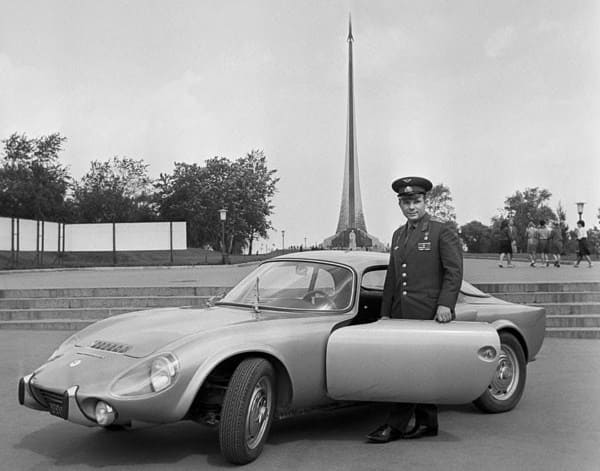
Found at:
<point>523,207</point>
<point>256,185</point>
<point>477,236</point>
<point>244,188</point>
<point>33,183</point>
<point>561,218</point>
<point>439,204</point>
<point>117,190</point>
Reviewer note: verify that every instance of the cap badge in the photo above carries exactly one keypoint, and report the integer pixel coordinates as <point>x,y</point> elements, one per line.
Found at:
<point>408,189</point>
<point>407,180</point>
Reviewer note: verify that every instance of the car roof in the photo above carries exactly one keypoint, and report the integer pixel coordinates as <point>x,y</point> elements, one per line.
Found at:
<point>357,259</point>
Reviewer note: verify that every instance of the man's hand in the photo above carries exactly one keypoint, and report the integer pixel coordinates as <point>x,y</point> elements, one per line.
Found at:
<point>443,314</point>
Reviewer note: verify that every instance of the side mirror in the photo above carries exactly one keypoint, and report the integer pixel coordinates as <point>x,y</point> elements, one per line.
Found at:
<point>210,302</point>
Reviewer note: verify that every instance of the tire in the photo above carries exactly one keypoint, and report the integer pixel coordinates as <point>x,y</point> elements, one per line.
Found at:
<point>508,383</point>
<point>247,411</point>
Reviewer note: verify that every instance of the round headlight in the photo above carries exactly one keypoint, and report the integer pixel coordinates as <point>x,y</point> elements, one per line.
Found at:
<point>162,372</point>
<point>105,414</point>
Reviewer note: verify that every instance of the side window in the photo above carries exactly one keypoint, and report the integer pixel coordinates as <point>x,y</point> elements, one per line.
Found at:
<point>374,280</point>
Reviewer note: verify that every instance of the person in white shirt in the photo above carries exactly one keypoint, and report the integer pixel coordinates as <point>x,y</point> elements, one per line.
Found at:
<point>583,251</point>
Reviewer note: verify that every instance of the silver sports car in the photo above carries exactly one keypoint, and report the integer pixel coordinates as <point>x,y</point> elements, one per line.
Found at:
<point>301,331</point>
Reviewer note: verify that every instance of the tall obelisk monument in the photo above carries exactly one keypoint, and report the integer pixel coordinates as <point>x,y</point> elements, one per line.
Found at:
<point>351,229</point>
<point>351,212</point>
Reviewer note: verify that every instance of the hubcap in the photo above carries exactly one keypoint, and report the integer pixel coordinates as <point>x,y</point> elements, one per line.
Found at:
<point>506,378</point>
<point>259,411</point>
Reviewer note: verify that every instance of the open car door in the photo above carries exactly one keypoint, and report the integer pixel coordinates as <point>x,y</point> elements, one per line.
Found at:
<point>401,360</point>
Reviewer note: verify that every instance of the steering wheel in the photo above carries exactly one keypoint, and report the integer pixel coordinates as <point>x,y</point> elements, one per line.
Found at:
<point>319,297</point>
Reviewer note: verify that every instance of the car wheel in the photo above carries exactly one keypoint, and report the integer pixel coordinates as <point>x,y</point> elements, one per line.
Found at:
<point>508,382</point>
<point>248,410</point>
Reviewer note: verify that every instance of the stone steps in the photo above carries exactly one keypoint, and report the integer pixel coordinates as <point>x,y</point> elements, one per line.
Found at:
<point>134,302</point>
<point>548,287</point>
<point>91,314</point>
<point>572,308</point>
<point>574,320</point>
<point>75,308</point>
<point>55,324</point>
<point>573,332</point>
<point>111,292</point>
<point>541,297</point>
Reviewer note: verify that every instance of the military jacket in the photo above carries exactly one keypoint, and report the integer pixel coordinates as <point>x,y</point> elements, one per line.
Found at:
<point>425,270</point>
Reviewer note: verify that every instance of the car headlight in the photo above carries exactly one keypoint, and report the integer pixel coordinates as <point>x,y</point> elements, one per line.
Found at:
<point>153,375</point>
<point>162,372</point>
<point>70,342</point>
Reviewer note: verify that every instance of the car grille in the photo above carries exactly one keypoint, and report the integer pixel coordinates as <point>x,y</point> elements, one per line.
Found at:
<point>45,397</point>
<point>56,403</point>
<point>110,346</point>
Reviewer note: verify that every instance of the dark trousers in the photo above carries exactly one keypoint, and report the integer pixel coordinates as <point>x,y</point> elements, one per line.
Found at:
<point>401,413</point>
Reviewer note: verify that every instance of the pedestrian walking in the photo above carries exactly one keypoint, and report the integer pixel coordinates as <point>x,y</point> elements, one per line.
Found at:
<point>507,235</point>
<point>582,250</point>
<point>556,242</point>
<point>543,245</point>
<point>531,235</point>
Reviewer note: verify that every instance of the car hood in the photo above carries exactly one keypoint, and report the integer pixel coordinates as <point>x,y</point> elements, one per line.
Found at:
<point>139,334</point>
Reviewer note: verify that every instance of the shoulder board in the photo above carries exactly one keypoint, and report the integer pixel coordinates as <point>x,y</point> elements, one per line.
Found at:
<point>436,219</point>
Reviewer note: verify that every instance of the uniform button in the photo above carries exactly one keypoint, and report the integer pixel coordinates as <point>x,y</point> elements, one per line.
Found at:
<point>404,265</point>
<point>403,275</point>
<point>404,283</point>
<point>403,293</point>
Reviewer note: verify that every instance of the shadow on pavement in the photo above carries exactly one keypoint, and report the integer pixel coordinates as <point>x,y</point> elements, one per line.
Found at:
<point>69,444</point>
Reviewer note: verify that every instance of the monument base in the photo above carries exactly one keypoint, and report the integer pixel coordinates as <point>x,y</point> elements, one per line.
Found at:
<point>353,239</point>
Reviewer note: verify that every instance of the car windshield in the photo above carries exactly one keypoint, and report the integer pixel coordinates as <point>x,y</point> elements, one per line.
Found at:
<point>291,284</point>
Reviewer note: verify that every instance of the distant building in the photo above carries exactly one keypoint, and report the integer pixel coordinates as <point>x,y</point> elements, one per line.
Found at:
<point>351,230</point>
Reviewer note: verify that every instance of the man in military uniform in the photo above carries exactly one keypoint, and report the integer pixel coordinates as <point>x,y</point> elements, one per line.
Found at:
<point>422,282</point>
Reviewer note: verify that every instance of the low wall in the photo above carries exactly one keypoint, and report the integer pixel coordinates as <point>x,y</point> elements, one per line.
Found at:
<point>44,236</point>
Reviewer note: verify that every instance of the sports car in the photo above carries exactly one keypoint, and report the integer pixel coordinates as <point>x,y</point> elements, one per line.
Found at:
<point>300,332</point>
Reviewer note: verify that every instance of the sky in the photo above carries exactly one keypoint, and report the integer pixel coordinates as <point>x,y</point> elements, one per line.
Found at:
<point>486,97</point>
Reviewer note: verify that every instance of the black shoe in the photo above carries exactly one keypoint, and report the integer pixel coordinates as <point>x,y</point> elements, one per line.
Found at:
<point>385,433</point>
<point>421,431</point>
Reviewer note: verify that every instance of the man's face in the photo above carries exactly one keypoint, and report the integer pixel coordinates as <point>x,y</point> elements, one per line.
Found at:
<point>413,207</point>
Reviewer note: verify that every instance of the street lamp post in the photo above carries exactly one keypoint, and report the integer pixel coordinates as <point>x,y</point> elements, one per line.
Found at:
<point>580,208</point>
<point>223,217</point>
<point>282,240</point>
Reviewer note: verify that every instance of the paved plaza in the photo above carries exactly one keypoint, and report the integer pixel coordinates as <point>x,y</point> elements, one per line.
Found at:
<point>556,426</point>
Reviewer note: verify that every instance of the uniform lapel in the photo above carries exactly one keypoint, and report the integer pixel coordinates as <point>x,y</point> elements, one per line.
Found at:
<point>400,246</point>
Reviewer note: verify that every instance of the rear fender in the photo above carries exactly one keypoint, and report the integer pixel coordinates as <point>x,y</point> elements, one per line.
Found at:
<point>508,326</point>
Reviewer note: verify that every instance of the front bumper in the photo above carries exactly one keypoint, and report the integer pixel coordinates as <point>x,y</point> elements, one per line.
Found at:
<point>62,405</point>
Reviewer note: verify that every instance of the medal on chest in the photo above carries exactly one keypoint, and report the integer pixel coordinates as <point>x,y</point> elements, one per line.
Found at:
<point>424,246</point>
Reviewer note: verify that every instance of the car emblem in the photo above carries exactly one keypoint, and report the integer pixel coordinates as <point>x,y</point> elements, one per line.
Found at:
<point>74,363</point>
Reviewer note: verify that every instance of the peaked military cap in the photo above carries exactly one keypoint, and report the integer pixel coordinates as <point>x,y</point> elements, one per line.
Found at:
<point>407,186</point>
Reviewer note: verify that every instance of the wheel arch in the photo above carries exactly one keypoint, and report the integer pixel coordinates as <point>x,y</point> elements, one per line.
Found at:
<point>509,327</point>
<point>226,365</point>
